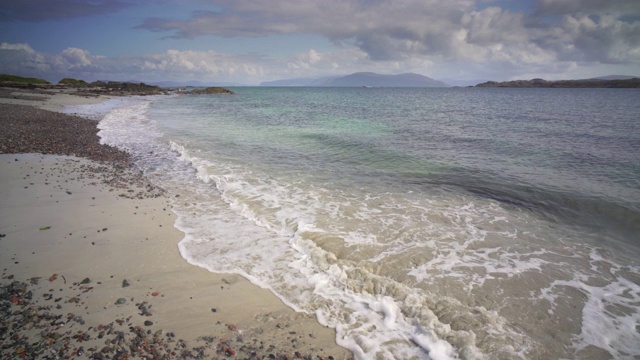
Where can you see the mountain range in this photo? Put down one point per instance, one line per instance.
(362, 79)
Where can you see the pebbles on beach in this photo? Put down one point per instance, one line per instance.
(34, 326)
(42, 317)
(38, 329)
(25, 129)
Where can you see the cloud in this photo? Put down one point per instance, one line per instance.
(75, 57)
(313, 62)
(17, 47)
(493, 39)
(336, 20)
(386, 30)
(200, 64)
(21, 59)
(41, 10)
(604, 39)
(171, 65)
(596, 7)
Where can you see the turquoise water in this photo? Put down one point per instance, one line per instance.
(420, 223)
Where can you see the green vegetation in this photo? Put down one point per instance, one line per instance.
(22, 80)
(70, 81)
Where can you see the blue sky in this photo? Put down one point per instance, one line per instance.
(247, 42)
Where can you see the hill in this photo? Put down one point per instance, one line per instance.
(612, 77)
(584, 83)
(21, 80)
(367, 79)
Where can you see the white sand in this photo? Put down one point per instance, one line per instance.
(54, 215)
(49, 99)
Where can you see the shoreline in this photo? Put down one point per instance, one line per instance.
(73, 230)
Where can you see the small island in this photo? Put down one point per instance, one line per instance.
(211, 90)
(585, 83)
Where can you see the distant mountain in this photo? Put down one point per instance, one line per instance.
(613, 77)
(366, 79)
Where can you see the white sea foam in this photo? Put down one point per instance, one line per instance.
(398, 275)
(610, 304)
(100, 110)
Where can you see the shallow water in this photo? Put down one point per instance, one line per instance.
(420, 223)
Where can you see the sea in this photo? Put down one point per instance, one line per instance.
(419, 223)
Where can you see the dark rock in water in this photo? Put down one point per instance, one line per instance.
(211, 90)
(148, 323)
(125, 283)
(85, 281)
(121, 301)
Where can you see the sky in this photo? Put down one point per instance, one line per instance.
(461, 42)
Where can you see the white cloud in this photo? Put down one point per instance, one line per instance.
(498, 58)
(389, 30)
(170, 65)
(201, 65)
(433, 37)
(597, 7)
(75, 57)
(18, 47)
(21, 59)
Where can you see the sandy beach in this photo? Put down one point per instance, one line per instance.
(89, 258)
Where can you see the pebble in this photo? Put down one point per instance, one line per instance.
(125, 283)
(48, 132)
(37, 331)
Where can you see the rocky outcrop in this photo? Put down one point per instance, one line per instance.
(211, 90)
(82, 88)
(71, 81)
(126, 88)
